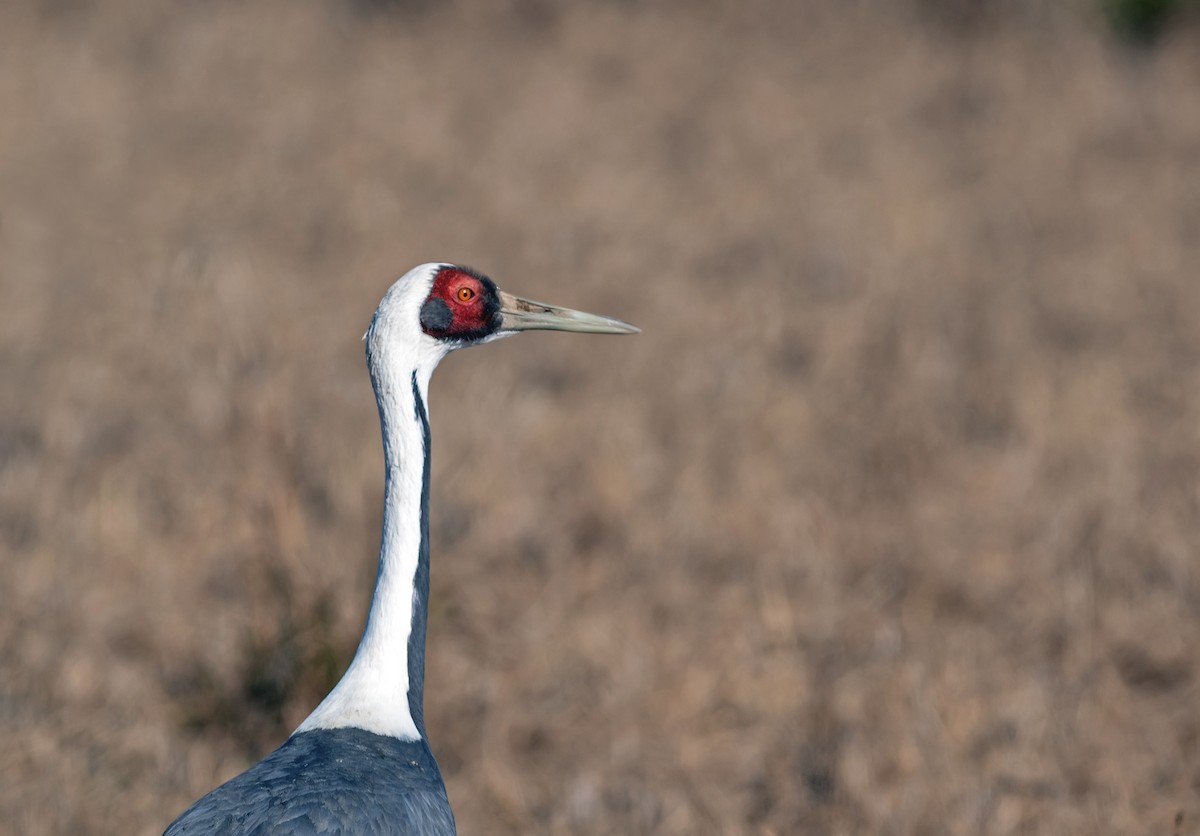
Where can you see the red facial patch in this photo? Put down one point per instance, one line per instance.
(462, 305)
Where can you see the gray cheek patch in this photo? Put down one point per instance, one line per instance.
(435, 316)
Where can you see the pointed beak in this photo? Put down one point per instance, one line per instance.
(517, 314)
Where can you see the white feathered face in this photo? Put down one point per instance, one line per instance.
(436, 308)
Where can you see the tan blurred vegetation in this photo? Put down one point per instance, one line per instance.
(887, 523)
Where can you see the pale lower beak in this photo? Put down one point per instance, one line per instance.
(517, 314)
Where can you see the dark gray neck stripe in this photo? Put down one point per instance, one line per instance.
(416, 638)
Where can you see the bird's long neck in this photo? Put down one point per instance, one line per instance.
(383, 689)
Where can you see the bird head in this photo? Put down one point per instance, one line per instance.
(437, 308)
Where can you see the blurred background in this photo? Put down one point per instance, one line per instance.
(887, 523)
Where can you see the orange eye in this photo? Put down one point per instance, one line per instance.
(465, 294)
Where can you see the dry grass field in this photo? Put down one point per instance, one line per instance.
(888, 523)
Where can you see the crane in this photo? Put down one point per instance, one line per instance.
(360, 763)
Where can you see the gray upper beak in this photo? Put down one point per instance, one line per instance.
(517, 314)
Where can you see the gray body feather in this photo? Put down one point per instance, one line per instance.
(329, 781)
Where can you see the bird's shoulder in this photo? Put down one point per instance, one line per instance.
(329, 781)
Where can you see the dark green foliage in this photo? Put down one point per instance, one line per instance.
(1143, 21)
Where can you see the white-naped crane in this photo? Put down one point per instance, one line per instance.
(361, 763)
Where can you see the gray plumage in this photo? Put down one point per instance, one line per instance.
(329, 781)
